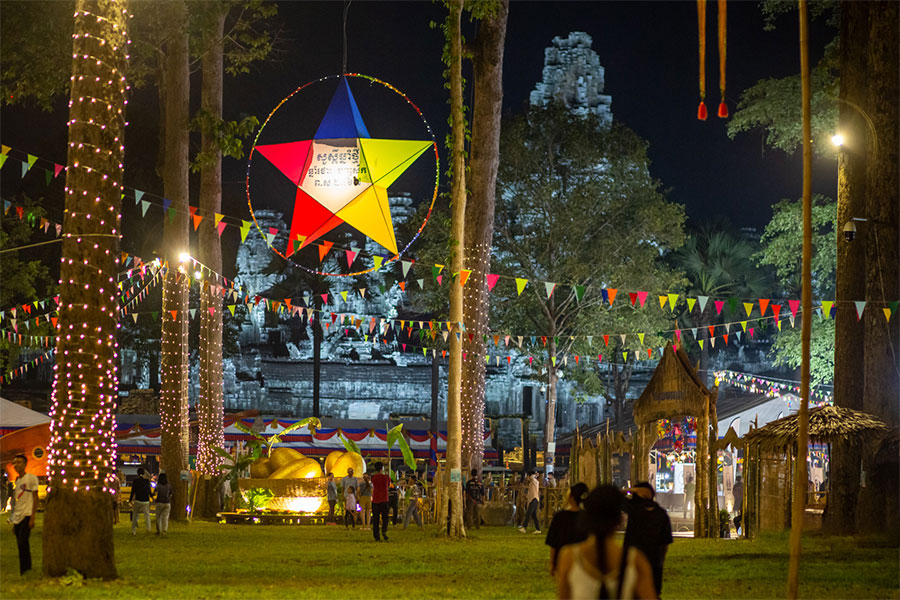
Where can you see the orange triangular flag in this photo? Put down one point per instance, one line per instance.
(324, 247)
(611, 293)
(174, 314)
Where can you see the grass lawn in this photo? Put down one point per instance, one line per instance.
(207, 560)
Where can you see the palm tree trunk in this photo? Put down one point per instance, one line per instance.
(78, 531)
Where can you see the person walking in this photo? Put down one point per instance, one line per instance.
(649, 529)
(140, 500)
(738, 509)
(25, 495)
(599, 567)
(365, 500)
(532, 502)
(564, 527)
(164, 493)
(394, 501)
(350, 507)
(412, 503)
(689, 489)
(380, 483)
(332, 493)
(474, 501)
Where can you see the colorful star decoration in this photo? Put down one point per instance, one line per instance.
(342, 175)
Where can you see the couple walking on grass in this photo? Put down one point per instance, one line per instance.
(586, 559)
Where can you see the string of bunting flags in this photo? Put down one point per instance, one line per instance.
(609, 294)
(771, 387)
(22, 369)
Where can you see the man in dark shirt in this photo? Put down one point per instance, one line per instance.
(649, 529)
(474, 501)
(140, 500)
(380, 483)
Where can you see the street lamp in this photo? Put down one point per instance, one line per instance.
(837, 139)
(184, 257)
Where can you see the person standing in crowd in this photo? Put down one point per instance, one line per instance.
(349, 481)
(26, 499)
(365, 500)
(738, 509)
(350, 507)
(140, 500)
(474, 501)
(164, 493)
(689, 489)
(532, 502)
(412, 495)
(331, 491)
(598, 567)
(649, 529)
(564, 528)
(380, 483)
(394, 501)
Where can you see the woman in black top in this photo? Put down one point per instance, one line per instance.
(564, 528)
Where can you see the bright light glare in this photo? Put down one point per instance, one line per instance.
(184, 256)
(837, 139)
(198, 275)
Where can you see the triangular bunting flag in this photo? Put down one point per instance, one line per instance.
(719, 304)
(663, 300)
(611, 292)
(520, 285)
(492, 281)
(860, 307)
(691, 302)
(464, 276)
(702, 302)
(763, 304)
(672, 299)
(748, 306)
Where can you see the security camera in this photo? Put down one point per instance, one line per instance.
(850, 231)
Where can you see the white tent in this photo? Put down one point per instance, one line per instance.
(14, 416)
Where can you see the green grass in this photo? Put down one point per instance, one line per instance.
(207, 560)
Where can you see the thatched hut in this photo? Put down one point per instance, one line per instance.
(770, 452)
(675, 390)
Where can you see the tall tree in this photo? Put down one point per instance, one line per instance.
(487, 63)
(453, 58)
(210, 401)
(78, 526)
(174, 86)
(780, 246)
(577, 212)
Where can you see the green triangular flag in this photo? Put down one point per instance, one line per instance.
(579, 292)
(171, 215)
(144, 206)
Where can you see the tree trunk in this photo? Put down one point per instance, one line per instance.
(210, 401)
(173, 405)
(865, 363)
(78, 532)
(316, 325)
(550, 414)
(882, 255)
(487, 59)
(455, 527)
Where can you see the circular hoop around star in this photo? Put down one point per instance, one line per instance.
(340, 176)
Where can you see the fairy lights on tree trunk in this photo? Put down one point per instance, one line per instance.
(173, 405)
(78, 525)
(210, 406)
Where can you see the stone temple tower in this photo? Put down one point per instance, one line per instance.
(573, 75)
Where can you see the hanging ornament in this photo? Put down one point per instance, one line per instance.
(339, 175)
(701, 31)
(723, 21)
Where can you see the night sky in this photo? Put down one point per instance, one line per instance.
(648, 49)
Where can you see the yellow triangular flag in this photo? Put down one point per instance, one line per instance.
(887, 314)
(672, 299)
(748, 306)
(520, 285)
(662, 301)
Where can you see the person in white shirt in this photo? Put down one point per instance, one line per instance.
(532, 502)
(26, 495)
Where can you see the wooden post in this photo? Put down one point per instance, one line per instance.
(800, 475)
(713, 464)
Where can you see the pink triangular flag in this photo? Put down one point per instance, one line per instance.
(794, 304)
(492, 281)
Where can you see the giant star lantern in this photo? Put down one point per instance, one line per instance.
(342, 175)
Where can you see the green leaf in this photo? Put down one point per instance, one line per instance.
(223, 452)
(393, 434)
(408, 457)
(243, 428)
(349, 444)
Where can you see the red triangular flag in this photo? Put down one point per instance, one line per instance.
(492, 281)
(794, 305)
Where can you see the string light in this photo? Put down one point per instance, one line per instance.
(82, 451)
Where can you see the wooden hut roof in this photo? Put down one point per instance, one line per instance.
(674, 390)
(827, 424)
